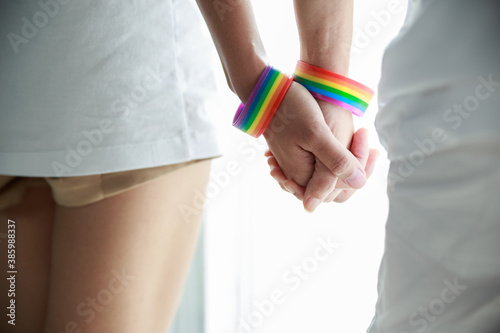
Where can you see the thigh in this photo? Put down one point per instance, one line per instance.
(32, 219)
(119, 265)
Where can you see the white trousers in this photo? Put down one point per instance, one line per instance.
(441, 267)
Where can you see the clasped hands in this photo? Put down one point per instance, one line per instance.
(314, 152)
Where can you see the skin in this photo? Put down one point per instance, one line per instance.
(325, 32)
(33, 225)
(311, 148)
(66, 255)
(367, 158)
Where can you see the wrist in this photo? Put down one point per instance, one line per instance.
(333, 60)
(325, 31)
(254, 116)
(243, 79)
(334, 88)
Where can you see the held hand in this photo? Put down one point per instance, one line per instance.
(305, 148)
(359, 147)
(321, 186)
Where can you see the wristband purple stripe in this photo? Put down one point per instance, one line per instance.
(237, 119)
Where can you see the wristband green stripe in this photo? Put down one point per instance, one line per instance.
(258, 107)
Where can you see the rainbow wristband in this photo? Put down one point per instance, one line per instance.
(334, 88)
(254, 117)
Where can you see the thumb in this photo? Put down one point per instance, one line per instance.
(337, 158)
(359, 148)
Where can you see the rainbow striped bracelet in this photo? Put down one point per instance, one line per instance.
(334, 88)
(254, 117)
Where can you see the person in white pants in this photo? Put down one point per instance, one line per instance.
(439, 120)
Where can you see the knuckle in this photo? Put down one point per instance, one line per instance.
(329, 183)
(340, 165)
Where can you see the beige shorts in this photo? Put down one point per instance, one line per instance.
(81, 190)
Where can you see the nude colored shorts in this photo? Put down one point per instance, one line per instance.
(82, 190)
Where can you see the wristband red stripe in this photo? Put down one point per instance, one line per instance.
(332, 76)
(269, 108)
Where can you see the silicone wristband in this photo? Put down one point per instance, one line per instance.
(254, 117)
(334, 88)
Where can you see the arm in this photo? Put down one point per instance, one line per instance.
(238, 43)
(325, 32)
(298, 133)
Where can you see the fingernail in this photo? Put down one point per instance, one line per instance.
(289, 189)
(311, 204)
(357, 180)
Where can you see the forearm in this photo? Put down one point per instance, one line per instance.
(325, 31)
(238, 43)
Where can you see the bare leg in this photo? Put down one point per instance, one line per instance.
(119, 265)
(33, 220)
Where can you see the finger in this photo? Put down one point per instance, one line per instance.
(286, 184)
(277, 174)
(295, 189)
(337, 158)
(370, 166)
(359, 145)
(372, 161)
(319, 186)
(268, 153)
(360, 149)
(333, 195)
(276, 171)
(344, 196)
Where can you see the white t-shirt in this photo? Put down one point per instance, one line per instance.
(90, 87)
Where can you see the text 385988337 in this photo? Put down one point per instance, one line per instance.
(11, 271)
